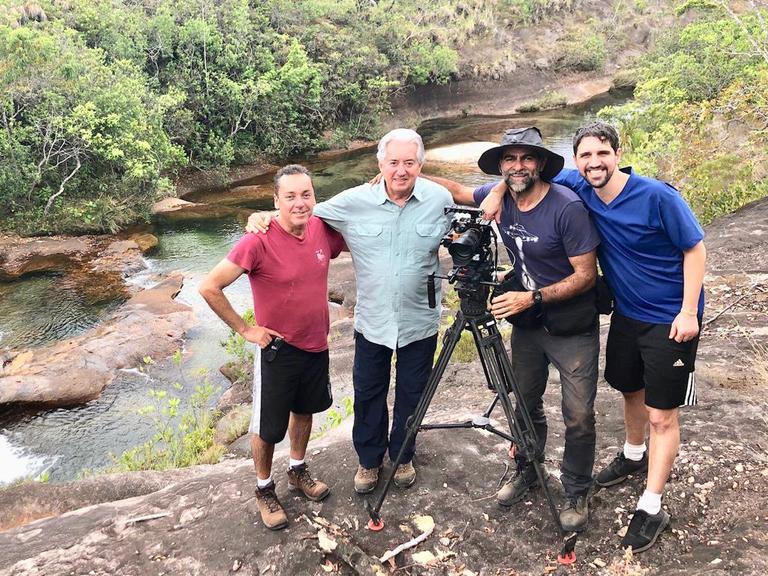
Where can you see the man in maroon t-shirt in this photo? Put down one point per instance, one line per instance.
(288, 271)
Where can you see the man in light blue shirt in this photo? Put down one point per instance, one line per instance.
(393, 231)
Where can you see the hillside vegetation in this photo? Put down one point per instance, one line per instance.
(104, 100)
(699, 117)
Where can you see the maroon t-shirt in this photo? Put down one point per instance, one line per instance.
(289, 280)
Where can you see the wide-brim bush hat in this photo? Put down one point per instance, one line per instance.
(529, 137)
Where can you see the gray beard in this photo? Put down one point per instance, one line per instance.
(522, 187)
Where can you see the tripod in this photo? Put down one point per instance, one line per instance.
(497, 367)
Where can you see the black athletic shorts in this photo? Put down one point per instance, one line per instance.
(641, 355)
(292, 381)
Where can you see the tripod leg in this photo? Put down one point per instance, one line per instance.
(492, 349)
(452, 336)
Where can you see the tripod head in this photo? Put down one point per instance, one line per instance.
(473, 245)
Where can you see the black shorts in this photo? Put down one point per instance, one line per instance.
(294, 381)
(641, 355)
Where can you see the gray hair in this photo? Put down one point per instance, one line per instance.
(600, 130)
(289, 170)
(401, 135)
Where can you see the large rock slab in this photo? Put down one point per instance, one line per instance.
(206, 523)
(75, 371)
(72, 254)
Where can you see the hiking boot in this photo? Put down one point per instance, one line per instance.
(644, 529)
(272, 513)
(515, 490)
(405, 475)
(366, 479)
(619, 468)
(575, 516)
(300, 479)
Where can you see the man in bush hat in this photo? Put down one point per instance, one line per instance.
(551, 241)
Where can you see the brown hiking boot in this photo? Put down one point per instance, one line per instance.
(405, 475)
(366, 479)
(272, 513)
(300, 479)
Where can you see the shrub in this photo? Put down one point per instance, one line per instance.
(182, 437)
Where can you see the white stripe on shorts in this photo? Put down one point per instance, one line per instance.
(690, 391)
(256, 409)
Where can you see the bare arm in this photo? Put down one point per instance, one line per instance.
(212, 290)
(463, 195)
(686, 324)
(582, 279)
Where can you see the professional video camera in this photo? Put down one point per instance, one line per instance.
(473, 246)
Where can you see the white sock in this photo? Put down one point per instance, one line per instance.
(293, 463)
(634, 451)
(263, 483)
(650, 502)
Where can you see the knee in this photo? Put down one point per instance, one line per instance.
(579, 423)
(662, 421)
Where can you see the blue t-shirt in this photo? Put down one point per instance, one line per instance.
(540, 241)
(644, 231)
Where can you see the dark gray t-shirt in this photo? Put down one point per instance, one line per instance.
(541, 240)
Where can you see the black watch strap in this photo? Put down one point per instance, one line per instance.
(537, 297)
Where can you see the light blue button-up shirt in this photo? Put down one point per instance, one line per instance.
(393, 250)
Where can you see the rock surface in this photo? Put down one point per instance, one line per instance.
(206, 523)
(101, 254)
(75, 371)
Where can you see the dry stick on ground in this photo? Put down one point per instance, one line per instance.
(147, 517)
(346, 551)
(733, 303)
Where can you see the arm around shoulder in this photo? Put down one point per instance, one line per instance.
(461, 194)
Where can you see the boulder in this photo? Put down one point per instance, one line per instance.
(75, 371)
(20, 256)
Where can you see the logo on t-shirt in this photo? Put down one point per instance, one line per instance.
(518, 232)
(520, 235)
(320, 255)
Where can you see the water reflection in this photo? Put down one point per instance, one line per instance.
(46, 308)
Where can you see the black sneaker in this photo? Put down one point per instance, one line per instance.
(619, 468)
(516, 489)
(644, 529)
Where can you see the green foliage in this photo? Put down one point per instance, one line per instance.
(182, 437)
(465, 350)
(103, 100)
(532, 11)
(582, 50)
(334, 418)
(239, 348)
(700, 112)
(82, 146)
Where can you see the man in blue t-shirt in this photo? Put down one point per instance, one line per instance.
(652, 254)
(551, 242)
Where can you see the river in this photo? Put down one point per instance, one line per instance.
(66, 443)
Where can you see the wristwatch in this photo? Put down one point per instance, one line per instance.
(537, 298)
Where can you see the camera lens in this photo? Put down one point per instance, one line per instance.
(465, 247)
